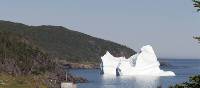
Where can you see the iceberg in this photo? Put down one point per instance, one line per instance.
(143, 63)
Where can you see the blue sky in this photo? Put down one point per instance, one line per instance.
(167, 25)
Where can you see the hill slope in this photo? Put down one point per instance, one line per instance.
(19, 57)
(24, 64)
(66, 44)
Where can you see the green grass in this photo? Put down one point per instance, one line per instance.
(21, 81)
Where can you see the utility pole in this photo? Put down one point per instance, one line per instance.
(66, 75)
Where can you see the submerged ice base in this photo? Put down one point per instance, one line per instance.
(144, 63)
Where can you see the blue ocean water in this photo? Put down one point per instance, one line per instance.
(183, 69)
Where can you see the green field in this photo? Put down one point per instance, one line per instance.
(8, 81)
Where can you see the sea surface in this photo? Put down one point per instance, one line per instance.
(183, 69)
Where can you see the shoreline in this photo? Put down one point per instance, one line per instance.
(73, 65)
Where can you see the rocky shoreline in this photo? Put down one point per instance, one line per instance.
(73, 65)
(80, 66)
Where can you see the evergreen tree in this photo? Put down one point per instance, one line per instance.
(194, 81)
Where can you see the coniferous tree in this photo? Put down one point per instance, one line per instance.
(194, 81)
(197, 5)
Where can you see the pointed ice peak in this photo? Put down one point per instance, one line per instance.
(148, 48)
(108, 54)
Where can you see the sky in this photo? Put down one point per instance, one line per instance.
(167, 25)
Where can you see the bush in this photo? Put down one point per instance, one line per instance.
(194, 82)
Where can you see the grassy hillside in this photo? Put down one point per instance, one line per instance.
(66, 44)
(17, 56)
(24, 65)
(30, 81)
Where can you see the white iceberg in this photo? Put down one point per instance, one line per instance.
(143, 63)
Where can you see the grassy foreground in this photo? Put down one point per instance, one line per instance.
(8, 81)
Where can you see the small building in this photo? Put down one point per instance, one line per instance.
(68, 85)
